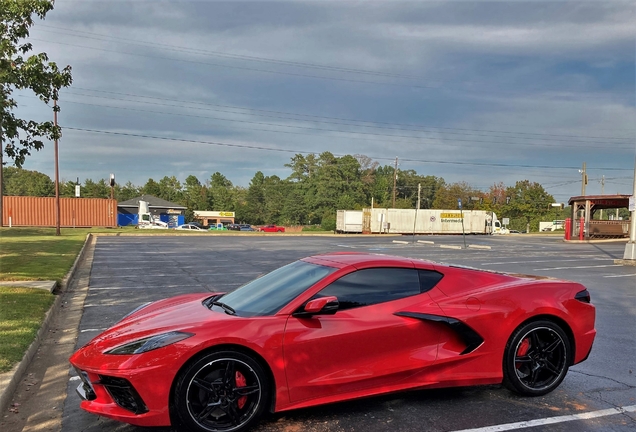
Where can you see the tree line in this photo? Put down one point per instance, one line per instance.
(317, 186)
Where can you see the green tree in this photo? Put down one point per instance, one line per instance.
(407, 189)
(67, 188)
(127, 192)
(99, 189)
(21, 71)
(221, 193)
(170, 189)
(151, 188)
(382, 186)
(294, 210)
(447, 195)
(21, 182)
(338, 184)
(255, 200)
(194, 196)
(529, 203)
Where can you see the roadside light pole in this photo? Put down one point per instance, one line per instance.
(57, 174)
(630, 247)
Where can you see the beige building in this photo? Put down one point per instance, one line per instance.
(211, 218)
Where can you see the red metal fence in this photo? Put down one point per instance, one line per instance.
(74, 212)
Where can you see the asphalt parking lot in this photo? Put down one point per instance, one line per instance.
(128, 271)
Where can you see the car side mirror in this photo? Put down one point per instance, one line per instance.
(320, 306)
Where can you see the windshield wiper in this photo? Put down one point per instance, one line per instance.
(228, 309)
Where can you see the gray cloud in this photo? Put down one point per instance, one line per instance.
(551, 68)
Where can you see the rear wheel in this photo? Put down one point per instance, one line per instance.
(536, 358)
(224, 391)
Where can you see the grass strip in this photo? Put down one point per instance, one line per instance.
(22, 311)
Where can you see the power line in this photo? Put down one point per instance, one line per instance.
(177, 48)
(240, 67)
(188, 50)
(537, 137)
(441, 140)
(427, 161)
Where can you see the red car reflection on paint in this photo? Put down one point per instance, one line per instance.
(330, 328)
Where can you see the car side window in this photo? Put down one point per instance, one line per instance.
(371, 286)
(428, 279)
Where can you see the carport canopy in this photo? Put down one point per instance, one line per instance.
(590, 204)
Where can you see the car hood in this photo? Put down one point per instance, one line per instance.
(182, 313)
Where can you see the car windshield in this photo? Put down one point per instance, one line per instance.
(269, 293)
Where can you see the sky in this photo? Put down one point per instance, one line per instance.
(482, 92)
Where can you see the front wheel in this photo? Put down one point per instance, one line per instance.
(536, 358)
(224, 391)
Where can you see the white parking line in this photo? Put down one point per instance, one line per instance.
(93, 330)
(577, 267)
(613, 276)
(550, 260)
(553, 420)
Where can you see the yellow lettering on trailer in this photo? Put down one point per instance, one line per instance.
(451, 215)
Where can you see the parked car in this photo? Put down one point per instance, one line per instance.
(217, 362)
(246, 227)
(271, 228)
(218, 227)
(198, 224)
(190, 227)
(233, 227)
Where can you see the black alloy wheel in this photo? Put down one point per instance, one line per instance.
(536, 359)
(224, 391)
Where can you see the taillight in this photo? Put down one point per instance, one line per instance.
(583, 296)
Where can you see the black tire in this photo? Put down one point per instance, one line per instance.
(536, 359)
(223, 391)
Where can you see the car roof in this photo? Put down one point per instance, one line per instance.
(364, 259)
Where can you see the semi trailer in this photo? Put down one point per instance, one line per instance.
(411, 221)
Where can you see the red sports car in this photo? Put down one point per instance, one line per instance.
(329, 328)
(271, 228)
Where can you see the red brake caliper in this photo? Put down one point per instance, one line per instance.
(241, 382)
(523, 349)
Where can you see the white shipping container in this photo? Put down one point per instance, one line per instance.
(349, 221)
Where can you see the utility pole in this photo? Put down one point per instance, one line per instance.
(602, 191)
(583, 179)
(57, 174)
(419, 192)
(394, 180)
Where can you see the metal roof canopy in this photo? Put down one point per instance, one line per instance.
(592, 203)
(599, 202)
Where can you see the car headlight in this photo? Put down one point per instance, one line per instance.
(150, 343)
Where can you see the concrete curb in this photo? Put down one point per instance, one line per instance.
(9, 380)
(628, 262)
(472, 246)
(450, 247)
(238, 234)
(43, 285)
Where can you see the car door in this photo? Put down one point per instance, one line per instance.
(364, 345)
